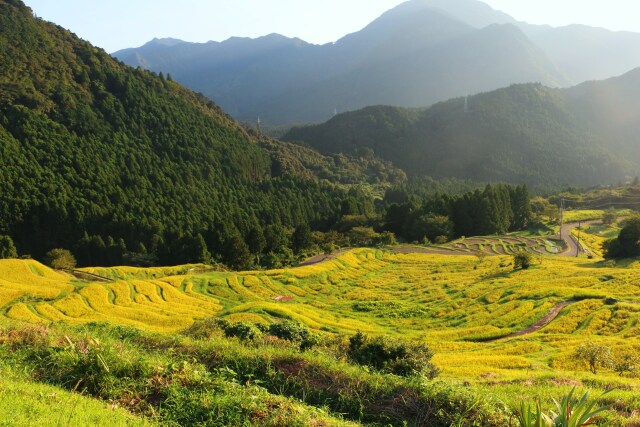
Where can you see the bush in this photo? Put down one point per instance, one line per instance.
(60, 259)
(7, 248)
(208, 328)
(609, 217)
(594, 356)
(205, 328)
(295, 332)
(102, 370)
(242, 330)
(522, 261)
(627, 363)
(395, 357)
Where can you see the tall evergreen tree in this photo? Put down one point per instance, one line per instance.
(7, 248)
(301, 239)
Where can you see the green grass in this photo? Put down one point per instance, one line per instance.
(210, 380)
(24, 402)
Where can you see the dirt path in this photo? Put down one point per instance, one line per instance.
(83, 275)
(324, 257)
(548, 318)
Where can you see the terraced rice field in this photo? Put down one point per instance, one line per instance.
(455, 304)
(504, 245)
(32, 292)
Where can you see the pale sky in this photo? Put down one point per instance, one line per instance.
(117, 24)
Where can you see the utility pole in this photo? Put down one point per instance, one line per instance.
(259, 130)
(578, 247)
(561, 216)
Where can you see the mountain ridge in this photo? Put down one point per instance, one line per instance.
(303, 82)
(527, 133)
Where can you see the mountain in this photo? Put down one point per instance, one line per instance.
(586, 53)
(472, 12)
(413, 55)
(93, 152)
(611, 110)
(580, 52)
(585, 135)
(481, 60)
(416, 54)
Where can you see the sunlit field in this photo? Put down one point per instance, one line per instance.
(460, 306)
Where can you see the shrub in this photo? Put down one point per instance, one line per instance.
(395, 357)
(627, 244)
(609, 217)
(522, 261)
(242, 330)
(295, 332)
(205, 328)
(627, 363)
(102, 370)
(208, 328)
(386, 238)
(594, 355)
(60, 259)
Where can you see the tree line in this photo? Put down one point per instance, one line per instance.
(495, 210)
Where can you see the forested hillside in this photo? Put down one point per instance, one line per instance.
(521, 134)
(106, 160)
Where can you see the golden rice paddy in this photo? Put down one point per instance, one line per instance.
(462, 306)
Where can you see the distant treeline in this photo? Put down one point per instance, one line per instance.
(495, 210)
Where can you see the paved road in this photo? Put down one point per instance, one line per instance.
(572, 245)
(566, 236)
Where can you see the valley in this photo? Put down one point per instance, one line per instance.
(430, 222)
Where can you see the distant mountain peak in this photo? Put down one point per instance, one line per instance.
(471, 12)
(167, 41)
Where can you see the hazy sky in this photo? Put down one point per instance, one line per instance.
(116, 24)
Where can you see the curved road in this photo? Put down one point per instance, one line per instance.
(572, 247)
(570, 240)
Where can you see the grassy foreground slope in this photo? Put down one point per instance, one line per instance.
(25, 403)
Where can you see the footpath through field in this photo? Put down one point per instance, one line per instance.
(548, 318)
(324, 257)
